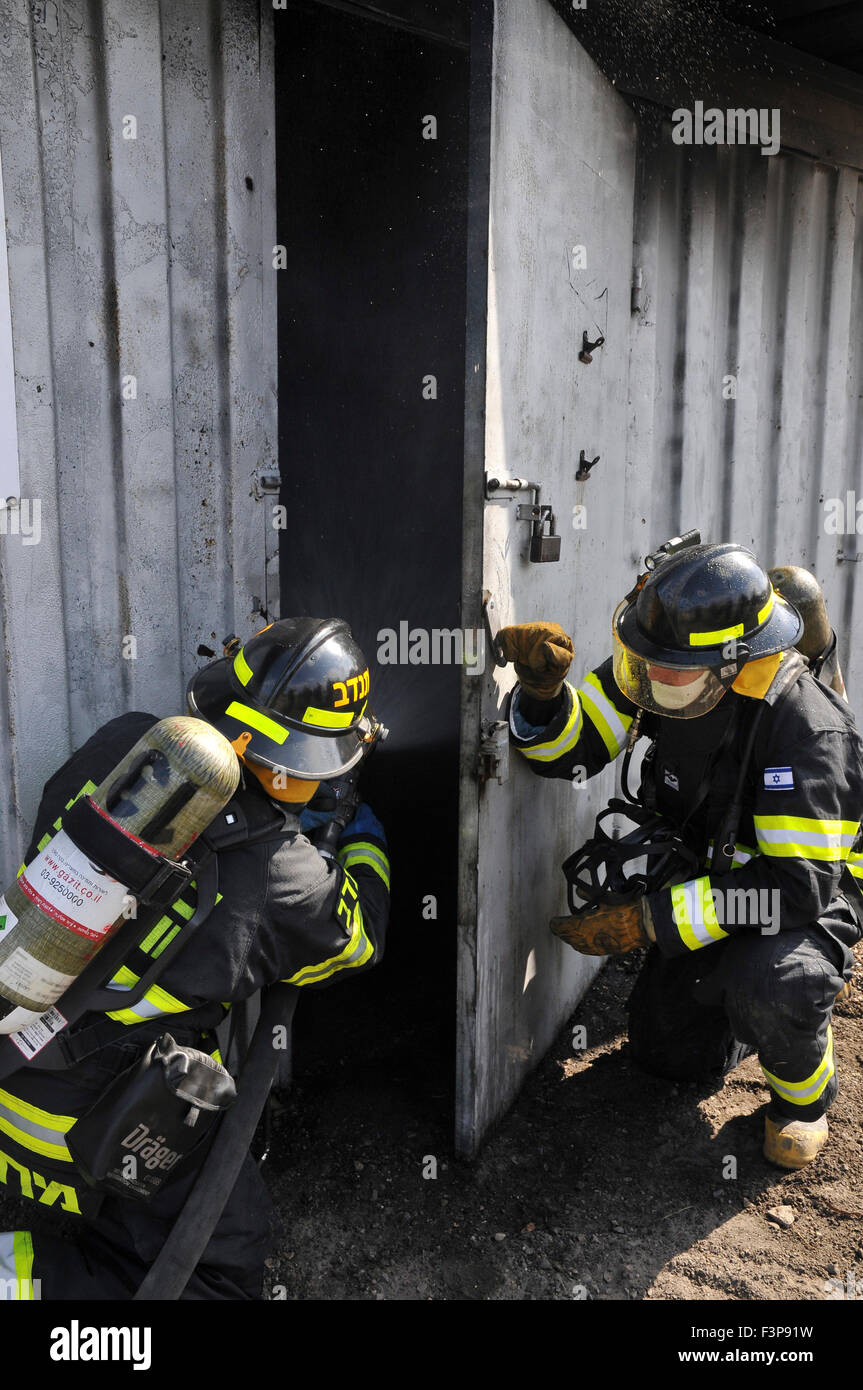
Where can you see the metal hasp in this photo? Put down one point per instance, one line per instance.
(267, 484)
(493, 756)
(587, 348)
(544, 545)
(492, 625)
(584, 467)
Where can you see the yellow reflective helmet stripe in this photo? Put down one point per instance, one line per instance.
(722, 634)
(35, 1129)
(329, 718)
(805, 1092)
(805, 837)
(565, 741)
(695, 914)
(242, 669)
(244, 714)
(611, 723)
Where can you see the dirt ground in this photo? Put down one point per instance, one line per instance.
(601, 1182)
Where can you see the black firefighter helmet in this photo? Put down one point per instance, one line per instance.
(300, 689)
(698, 615)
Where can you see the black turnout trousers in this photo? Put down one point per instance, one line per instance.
(695, 1017)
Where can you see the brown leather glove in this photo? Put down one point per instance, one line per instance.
(542, 653)
(607, 931)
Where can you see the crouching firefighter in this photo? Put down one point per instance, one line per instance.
(96, 1123)
(747, 819)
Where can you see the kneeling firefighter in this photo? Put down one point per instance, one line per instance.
(267, 903)
(747, 818)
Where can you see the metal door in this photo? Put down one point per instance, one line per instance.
(561, 167)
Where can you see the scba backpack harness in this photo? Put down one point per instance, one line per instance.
(157, 1116)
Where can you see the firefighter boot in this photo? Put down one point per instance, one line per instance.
(793, 1143)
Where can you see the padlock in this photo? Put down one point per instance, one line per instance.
(544, 547)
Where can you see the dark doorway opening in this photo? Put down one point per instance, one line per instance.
(371, 305)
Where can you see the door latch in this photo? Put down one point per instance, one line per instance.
(492, 625)
(544, 545)
(493, 757)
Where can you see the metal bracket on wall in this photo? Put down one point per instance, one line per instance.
(267, 484)
(493, 756)
(584, 467)
(544, 546)
(587, 348)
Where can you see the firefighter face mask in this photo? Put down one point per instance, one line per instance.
(676, 690)
(685, 690)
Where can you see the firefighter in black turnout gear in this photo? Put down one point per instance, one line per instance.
(752, 790)
(293, 702)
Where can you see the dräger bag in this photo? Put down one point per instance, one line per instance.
(152, 1117)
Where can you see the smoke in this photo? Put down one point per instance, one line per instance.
(669, 43)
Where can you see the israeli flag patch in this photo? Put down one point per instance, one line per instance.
(778, 779)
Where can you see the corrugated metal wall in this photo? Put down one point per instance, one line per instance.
(752, 270)
(146, 258)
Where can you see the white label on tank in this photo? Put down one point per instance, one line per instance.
(39, 984)
(37, 1033)
(8, 920)
(68, 888)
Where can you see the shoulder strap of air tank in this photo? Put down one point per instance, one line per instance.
(786, 677)
(249, 822)
(789, 673)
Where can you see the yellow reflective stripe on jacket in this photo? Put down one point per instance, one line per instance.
(22, 1251)
(156, 1001)
(855, 864)
(35, 1129)
(804, 1092)
(357, 951)
(361, 852)
(805, 837)
(694, 913)
(565, 741)
(610, 723)
(87, 790)
(16, 1267)
(154, 942)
